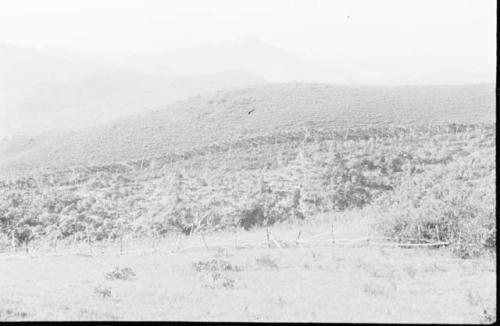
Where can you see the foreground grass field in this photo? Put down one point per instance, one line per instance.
(361, 283)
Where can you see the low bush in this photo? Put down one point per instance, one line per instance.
(444, 204)
(102, 291)
(124, 273)
(215, 265)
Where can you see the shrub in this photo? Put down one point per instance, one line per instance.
(215, 265)
(442, 204)
(102, 291)
(124, 273)
(219, 280)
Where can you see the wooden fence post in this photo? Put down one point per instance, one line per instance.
(13, 241)
(178, 241)
(268, 240)
(236, 239)
(298, 238)
(346, 134)
(88, 240)
(275, 241)
(203, 238)
(331, 233)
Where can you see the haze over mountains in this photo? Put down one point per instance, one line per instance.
(50, 89)
(277, 65)
(53, 89)
(44, 92)
(62, 107)
(247, 54)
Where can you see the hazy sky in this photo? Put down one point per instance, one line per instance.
(454, 30)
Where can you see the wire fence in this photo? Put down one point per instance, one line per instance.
(269, 241)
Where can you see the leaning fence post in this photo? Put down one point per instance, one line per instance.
(346, 134)
(275, 242)
(203, 238)
(236, 238)
(298, 238)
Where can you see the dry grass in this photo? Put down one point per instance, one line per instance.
(223, 116)
(321, 284)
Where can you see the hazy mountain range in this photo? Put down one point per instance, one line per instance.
(43, 92)
(51, 89)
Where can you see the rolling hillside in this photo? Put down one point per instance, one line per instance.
(42, 91)
(229, 116)
(104, 96)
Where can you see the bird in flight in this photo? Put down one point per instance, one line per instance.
(251, 111)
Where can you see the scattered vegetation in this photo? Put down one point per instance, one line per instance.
(373, 289)
(489, 316)
(215, 265)
(424, 184)
(214, 273)
(266, 261)
(102, 291)
(124, 273)
(169, 286)
(219, 280)
(9, 314)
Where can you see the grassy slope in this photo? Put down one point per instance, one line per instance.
(223, 116)
(321, 284)
(310, 284)
(105, 96)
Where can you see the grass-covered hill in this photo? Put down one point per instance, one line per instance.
(234, 116)
(420, 160)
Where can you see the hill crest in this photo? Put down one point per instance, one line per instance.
(223, 116)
